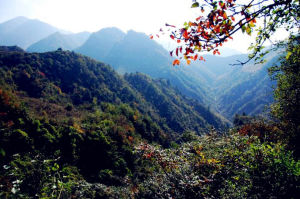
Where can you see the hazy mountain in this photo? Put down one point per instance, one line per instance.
(23, 32)
(9, 25)
(135, 52)
(246, 88)
(210, 82)
(100, 43)
(226, 52)
(59, 40)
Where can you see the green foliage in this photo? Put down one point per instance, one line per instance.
(86, 132)
(31, 175)
(64, 78)
(231, 166)
(286, 93)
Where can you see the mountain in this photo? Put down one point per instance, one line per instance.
(63, 77)
(135, 52)
(170, 103)
(23, 32)
(226, 52)
(72, 127)
(246, 89)
(210, 82)
(11, 49)
(100, 43)
(59, 40)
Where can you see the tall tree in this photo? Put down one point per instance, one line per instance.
(287, 93)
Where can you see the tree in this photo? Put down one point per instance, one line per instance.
(221, 19)
(287, 93)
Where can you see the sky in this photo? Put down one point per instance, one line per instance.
(92, 15)
(146, 16)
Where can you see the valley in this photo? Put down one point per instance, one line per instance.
(225, 89)
(105, 114)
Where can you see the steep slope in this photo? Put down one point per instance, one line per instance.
(209, 82)
(171, 104)
(68, 129)
(246, 89)
(61, 76)
(100, 43)
(135, 52)
(24, 32)
(237, 89)
(59, 40)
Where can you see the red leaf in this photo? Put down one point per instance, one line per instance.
(171, 53)
(177, 52)
(185, 34)
(176, 62)
(196, 56)
(172, 36)
(151, 36)
(198, 18)
(178, 40)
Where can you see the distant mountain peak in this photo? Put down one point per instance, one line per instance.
(59, 40)
(19, 19)
(99, 44)
(23, 32)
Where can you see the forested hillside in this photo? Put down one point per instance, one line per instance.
(111, 113)
(213, 83)
(80, 80)
(73, 127)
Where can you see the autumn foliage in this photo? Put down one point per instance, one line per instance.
(219, 20)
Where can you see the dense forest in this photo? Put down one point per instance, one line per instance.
(111, 114)
(214, 83)
(72, 127)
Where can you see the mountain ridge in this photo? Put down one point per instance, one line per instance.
(85, 81)
(59, 40)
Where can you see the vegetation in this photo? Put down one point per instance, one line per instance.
(287, 105)
(220, 20)
(72, 127)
